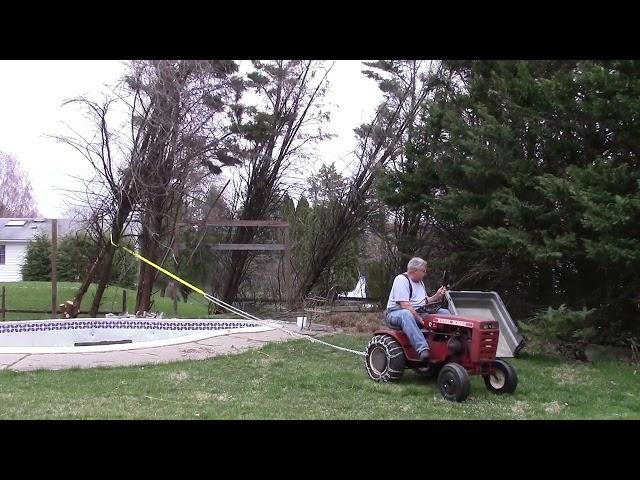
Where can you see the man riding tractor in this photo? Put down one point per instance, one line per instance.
(431, 341)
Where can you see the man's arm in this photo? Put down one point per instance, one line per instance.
(416, 315)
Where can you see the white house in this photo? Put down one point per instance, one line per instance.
(15, 235)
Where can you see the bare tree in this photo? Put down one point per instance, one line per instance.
(275, 133)
(110, 194)
(143, 177)
(16, 194)
(185, 139)
(380, 142)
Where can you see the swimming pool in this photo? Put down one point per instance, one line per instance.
(110, 334)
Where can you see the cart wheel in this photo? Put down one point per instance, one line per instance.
(453, 381)
(504, 380)
(385, 360)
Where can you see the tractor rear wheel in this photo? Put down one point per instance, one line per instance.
(385, 360)
(504, 380)
(453, 381)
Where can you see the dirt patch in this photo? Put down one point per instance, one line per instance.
(554, 407)
(520, 408)
(264, 361)
(202, 397)
(206, 397)
(179, 376)
(571, 375)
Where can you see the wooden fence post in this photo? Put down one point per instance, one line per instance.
(54, 268)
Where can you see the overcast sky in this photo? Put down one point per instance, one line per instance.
(32, 93)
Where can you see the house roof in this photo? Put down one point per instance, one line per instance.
(34, 226)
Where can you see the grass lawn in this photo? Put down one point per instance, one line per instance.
(301, 380)
(37, 296)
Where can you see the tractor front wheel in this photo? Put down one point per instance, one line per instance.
(385, 360)
(503, 380)
(453, 381)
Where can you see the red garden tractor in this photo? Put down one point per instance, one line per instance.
(459, 346)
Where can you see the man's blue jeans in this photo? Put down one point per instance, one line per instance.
(403, 319)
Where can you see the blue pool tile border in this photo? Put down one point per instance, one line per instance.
(126, 324)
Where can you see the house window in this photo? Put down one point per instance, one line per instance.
(1, 254)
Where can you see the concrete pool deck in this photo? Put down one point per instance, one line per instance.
(198, 350)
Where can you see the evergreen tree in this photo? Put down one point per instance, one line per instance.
(37, 263)
(530, 172)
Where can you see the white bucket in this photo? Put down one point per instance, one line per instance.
(302, 322)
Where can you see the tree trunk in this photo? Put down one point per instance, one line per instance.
(88, 278)
(105, 273)
(145, 288)
(150, 250)
(106, 253)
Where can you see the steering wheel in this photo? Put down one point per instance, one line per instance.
(433, 307)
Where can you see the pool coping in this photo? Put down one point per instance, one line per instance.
(231, 343)
(199, 329)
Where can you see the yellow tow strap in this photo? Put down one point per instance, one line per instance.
(158, 267)
(231, 308)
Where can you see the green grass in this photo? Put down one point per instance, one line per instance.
(302, 380)
(37, 296)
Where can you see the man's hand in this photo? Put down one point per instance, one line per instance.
(438, 296)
